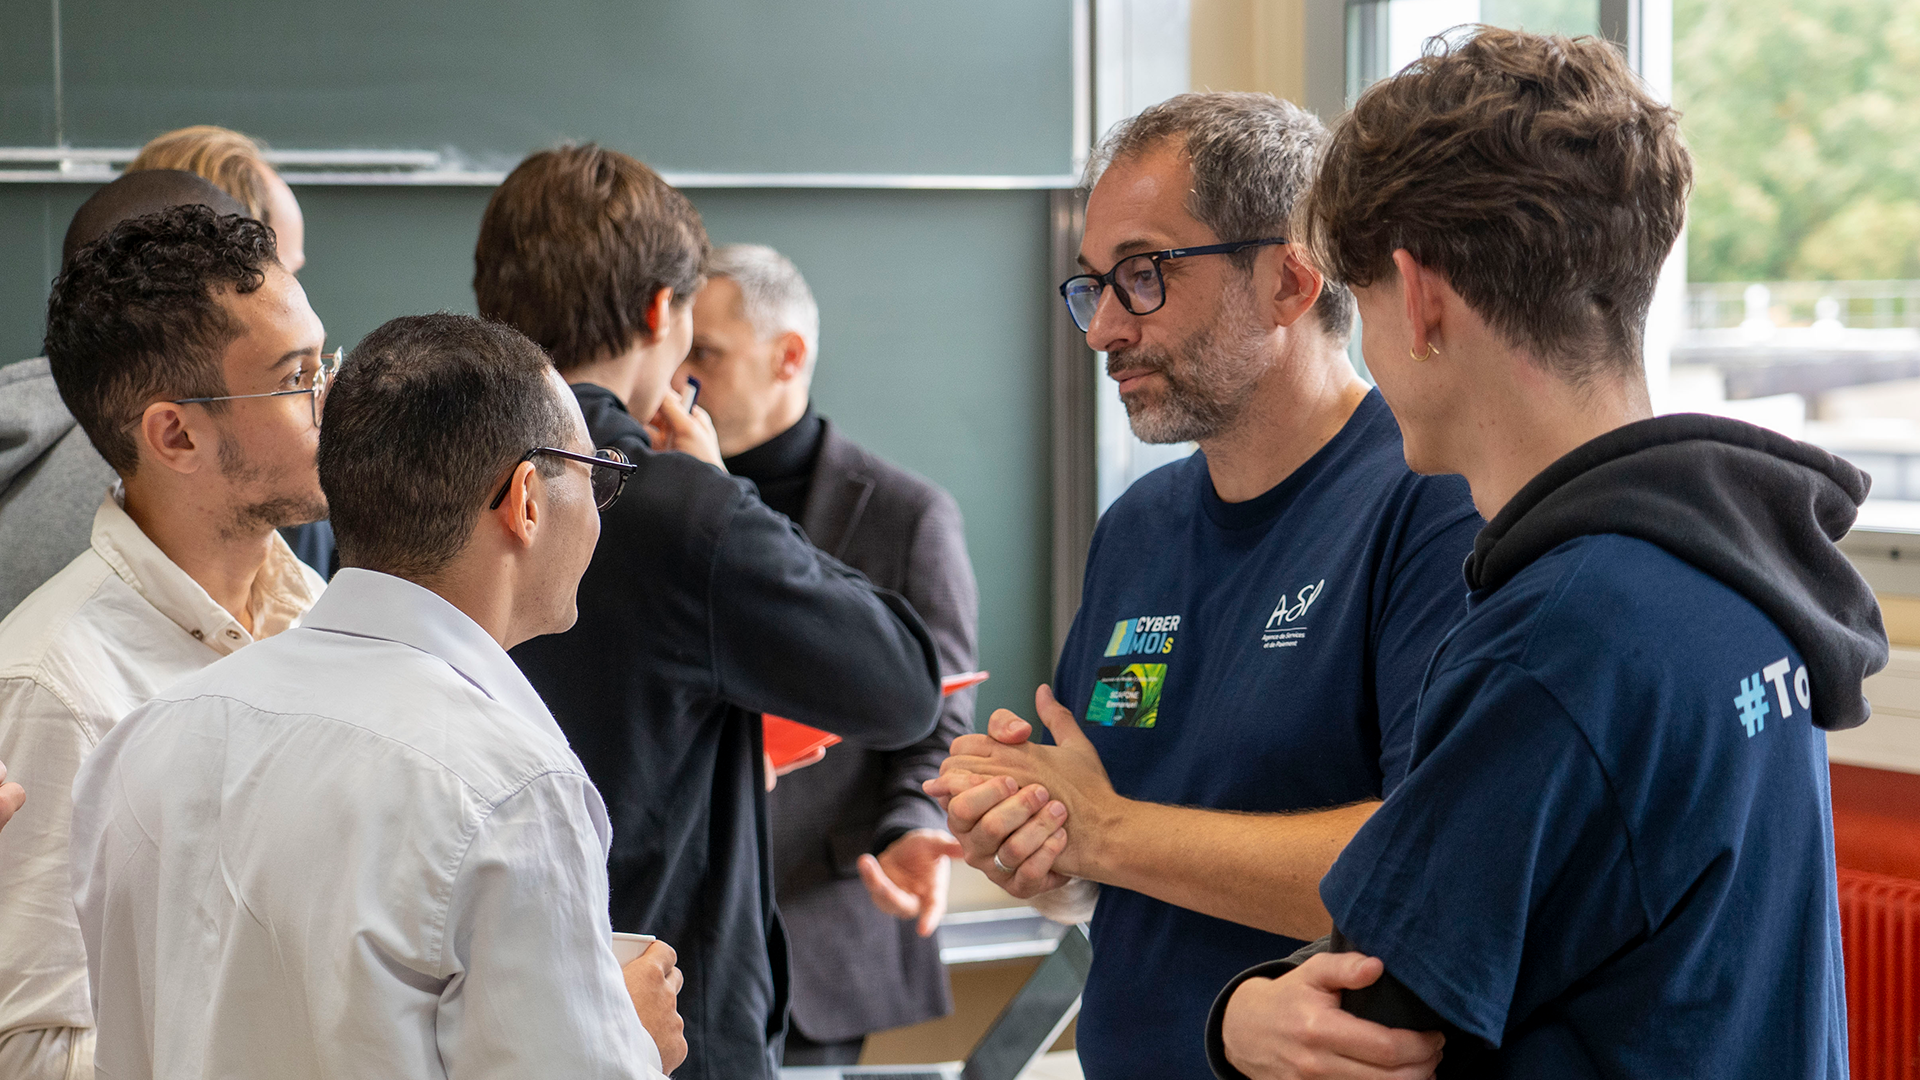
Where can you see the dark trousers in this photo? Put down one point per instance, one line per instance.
(804, 1051)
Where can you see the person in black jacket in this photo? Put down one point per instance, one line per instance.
(857, 846)
(702, 608)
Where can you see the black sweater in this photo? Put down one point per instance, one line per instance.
(702, 609)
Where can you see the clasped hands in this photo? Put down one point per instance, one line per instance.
(1008, 799)
(1008, 802)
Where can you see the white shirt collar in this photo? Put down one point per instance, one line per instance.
(282, 591)
(370, 604)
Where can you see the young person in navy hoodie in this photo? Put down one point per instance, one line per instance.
(1612, 854)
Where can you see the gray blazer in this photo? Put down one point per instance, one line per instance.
(51, 481)
(856, 970)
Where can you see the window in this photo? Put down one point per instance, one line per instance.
(1384, 36)
(1141, 58)
(1803, 249)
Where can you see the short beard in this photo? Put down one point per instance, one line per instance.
(1209, 382)
(274, 512)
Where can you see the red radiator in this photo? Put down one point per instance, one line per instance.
(1880, 931)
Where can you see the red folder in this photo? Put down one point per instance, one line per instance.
(787, 742)
(953, 684)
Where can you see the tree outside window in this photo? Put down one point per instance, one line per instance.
(1803, 255)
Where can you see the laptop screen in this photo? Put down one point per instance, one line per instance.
(1036, 1016)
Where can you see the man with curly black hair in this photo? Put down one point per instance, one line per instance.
(51, 478)
(192, 360)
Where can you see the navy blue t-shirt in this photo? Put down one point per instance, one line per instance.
(1612, 855)
(1257, 656)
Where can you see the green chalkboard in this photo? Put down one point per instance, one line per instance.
(756, 86)
(933, 321)
(935, 305)
(26, 73)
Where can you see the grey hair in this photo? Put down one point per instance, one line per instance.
(774, 298)
(1253, 157)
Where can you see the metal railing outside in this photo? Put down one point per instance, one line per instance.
(1852, 305)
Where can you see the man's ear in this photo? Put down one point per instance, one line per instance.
(1296, 284)
(789, 356)
(172, 438)
(1423, 291)
(519, 515)
(656, 312)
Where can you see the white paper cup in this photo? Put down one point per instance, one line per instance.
(628, 947)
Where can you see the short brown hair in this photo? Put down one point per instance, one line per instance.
(1535, 172)
(230, 160)
(1252, 157)
(576, 242)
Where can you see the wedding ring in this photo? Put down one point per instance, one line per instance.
(1004, 868)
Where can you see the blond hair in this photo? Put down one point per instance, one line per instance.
(228, 159)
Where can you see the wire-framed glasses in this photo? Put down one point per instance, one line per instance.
(1137, 280)
(312, 381)
(610, 471)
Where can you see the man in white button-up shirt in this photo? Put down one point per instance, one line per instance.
(364, 848)
(151, 329)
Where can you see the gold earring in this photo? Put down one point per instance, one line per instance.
(1432, 351)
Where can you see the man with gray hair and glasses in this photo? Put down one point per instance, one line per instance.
(1255, 619)
(859, 851)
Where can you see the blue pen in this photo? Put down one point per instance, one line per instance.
(695, 396)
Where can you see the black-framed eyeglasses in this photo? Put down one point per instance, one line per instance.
(1137, 280)
(610, 471)
(313, 381)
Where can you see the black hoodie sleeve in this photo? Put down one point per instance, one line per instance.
(799, 634)
(1387, 1002)
(1217, 1016)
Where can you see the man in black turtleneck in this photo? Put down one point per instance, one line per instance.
(857, 847)
(781, 467)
